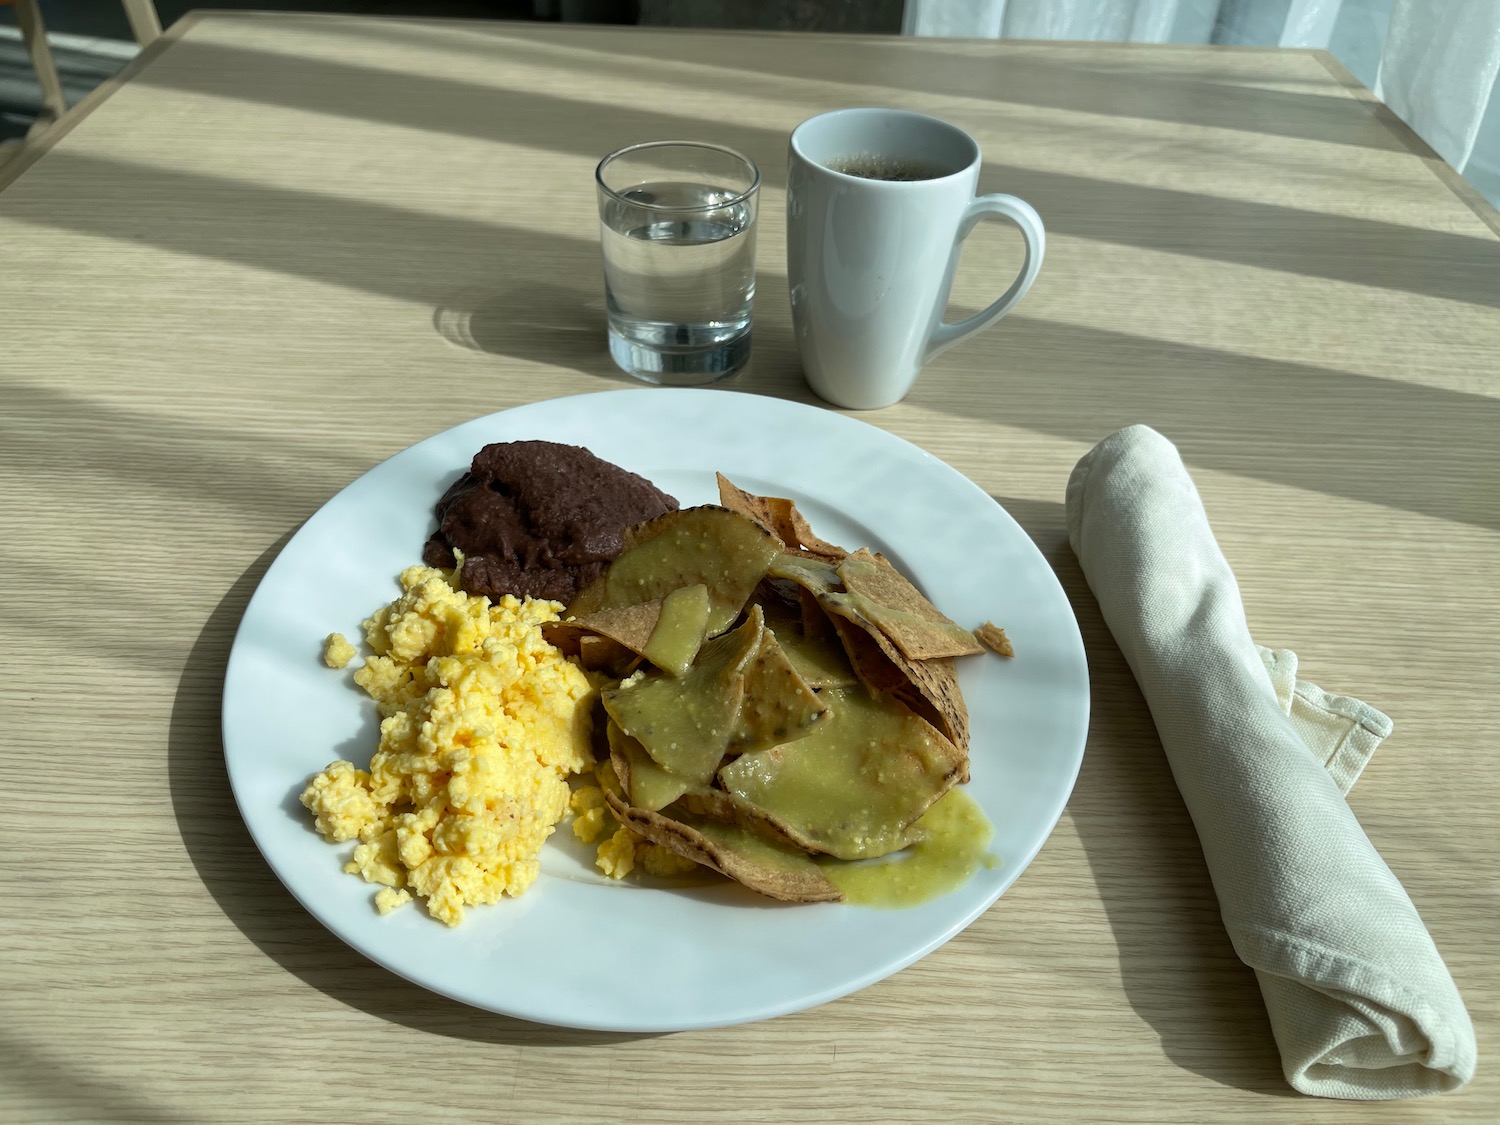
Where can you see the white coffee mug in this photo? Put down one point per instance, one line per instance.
(870, 259)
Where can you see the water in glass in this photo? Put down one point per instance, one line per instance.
(679, 271)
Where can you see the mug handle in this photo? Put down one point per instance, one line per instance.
(1024, 216)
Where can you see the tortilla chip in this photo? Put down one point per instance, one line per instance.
(715, 804)
(818, 657)
(928, 687)
(815, 623)
(630, 627)
(780, 517)
(875, 669)
(686, 722)
(778, 705)
(777, 872)
(993, 638)
(884, 595)
(817, 576)
(826, 794)
(680, 630)
(648, 785)
(600, 654)
(726, 551)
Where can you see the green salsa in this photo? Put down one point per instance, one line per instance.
(953, 838)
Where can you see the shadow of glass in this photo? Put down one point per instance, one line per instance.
(1177, 966)
(565, 326)
(390, 251)
(250, 895)
(455, 266)
(537, 321)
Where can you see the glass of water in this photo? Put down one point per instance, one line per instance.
(677, 220)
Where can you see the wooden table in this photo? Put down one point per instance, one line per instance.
(283, 248)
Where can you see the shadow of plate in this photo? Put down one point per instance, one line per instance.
(249, 893)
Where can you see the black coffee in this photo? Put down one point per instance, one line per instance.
(886, 168)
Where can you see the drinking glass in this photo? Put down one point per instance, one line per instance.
(677, 222)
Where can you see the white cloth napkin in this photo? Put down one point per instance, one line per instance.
(1359, 999)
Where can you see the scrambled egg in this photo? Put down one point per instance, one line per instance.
(621, 852)
(482, 722)
(337, 651)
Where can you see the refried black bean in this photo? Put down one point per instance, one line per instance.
(538, 519)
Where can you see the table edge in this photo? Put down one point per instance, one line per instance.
(34, 150)
(1467, 193)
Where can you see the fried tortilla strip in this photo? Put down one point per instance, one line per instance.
(993, 638)
(780, 516)
(707, 803)
(884, 595)
(680, 630)
(778, 705)
(726, 551)
(813, 578)
(778, 872)
(628, 626)
(646, 784)
(600, 654)
(855, 785)
(666, 631)
(877, 671)
(686, 722)
(818, 656)
(817, 576)
(743, 694)
(928, 687)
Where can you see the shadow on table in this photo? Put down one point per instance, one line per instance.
(254, 899)
(62, 1081)
(564, 325)
(1177, 966)
(540, 321)
(1248, 232)
(501, 289)
(1327, 430)
(1293, 424)
(1110, 82)
(1027, 74)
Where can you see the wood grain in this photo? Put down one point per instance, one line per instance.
(284, 248)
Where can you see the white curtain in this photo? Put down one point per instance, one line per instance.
(1433, 62)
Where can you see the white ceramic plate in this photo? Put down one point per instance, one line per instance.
(577, 949)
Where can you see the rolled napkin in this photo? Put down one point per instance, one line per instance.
(1359, 999)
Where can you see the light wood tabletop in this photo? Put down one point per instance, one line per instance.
(281, 249)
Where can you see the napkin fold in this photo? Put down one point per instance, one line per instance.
(1359, 999)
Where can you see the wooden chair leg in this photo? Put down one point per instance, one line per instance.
(34, 35)
(144, 22)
